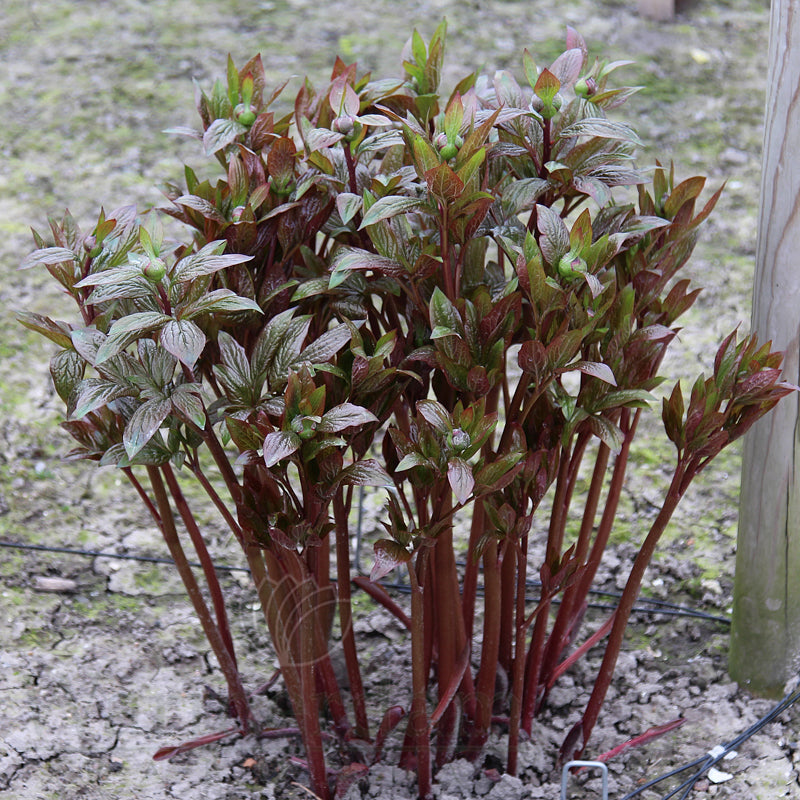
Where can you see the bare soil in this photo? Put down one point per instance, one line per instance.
(101, 669)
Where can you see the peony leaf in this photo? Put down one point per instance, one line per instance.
(388, 207)
(184, 340)
(144, 424)
(459, 475)
(388, 555)
(365, 473)
(346, 415)
(279, 445)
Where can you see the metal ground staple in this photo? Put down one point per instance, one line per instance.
(592, 764)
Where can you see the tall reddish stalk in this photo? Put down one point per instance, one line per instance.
(227, 664)
(575, 742)
(346, 616)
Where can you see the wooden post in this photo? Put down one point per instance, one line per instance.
(765, 641)
(657, 9)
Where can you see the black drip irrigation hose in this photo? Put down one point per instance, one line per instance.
(662, 607)
(701, 765)
(714, 756)
(96, 554)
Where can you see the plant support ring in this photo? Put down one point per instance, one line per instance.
(594, 764)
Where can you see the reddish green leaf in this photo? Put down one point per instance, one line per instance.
(245, 436)
(531, 357)
(218, 300)
(507, 90)
(279, 445)
(367, 472)
(443, 314)
(466, 172)
(595, 369)
(546, 86)
(580, 236)
(444, 183)
(127, 330)
(87, 342)
(326, 346)
(346, 415)
(453, 116)
(186, 401)
(281, 159)
(348, 205)
(184, 340)
(567, 66)
(388, 555)
(602, 128)
(206, 262)
(498, 473)
(522, 195)
(436, 415)
(607, 431)
(66, 369)
(685, 192)
(208, 210)
(672, 416)
(410, 460)
(58, 332)
(221, 133)
(459, 475)
(318, 139)
(576, 41)
(390, 206)
(554, 241)
(530, 68)
(94, 393)
(48, 255)
(144, 423)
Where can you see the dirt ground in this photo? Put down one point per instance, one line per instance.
(100, 670)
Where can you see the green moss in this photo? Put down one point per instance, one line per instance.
(37, 638)
(150, 579)
(122, 602)
(11, 565)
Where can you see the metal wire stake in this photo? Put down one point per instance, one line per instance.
(593, 764)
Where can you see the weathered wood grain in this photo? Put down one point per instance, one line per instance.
(765, 644)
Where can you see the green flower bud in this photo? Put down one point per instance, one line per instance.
(460, 439)
(585, 87)
(91, 246)
(549, 110)
(304, 427)
(308, 432)
(571, 266)
(343, 125)
(448, 151)
(282, 188)
(245, 114)
(154, 270)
